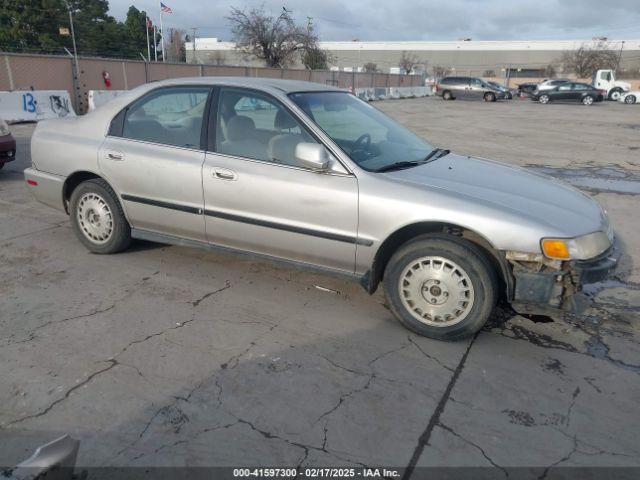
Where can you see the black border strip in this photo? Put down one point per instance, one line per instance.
(288, 228)
(158, 203)
(250, 221)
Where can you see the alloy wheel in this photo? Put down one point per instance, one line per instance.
(436, 291)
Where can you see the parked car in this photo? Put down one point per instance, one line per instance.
(630, 97)
(569, 92)
(310, 174)
(450, 88)
(7, 144)
(507, 92)
(550, 84)
(526, 88)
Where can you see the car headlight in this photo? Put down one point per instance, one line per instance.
(579, 248)
(4, 128)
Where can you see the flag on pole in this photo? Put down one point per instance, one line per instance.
(149, 24)
(164, 8)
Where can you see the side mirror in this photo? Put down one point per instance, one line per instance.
(312, 155)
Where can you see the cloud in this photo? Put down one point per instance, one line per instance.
(417, 19)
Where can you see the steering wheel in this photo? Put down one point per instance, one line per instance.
(362, 143)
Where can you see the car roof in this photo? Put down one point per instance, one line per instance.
(286, 86)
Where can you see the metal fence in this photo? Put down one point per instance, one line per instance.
(49, 72)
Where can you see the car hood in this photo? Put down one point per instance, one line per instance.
(535, 197)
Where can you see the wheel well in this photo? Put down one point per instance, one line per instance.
(409, 232)
(72, 182)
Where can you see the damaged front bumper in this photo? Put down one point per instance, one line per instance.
(540, 285)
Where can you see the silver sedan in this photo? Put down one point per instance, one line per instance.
(311, 175)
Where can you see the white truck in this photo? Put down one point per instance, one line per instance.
(605, 80)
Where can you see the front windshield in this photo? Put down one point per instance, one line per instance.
(366, 135)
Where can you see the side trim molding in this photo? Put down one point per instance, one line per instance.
(161, 204)
(250, 221)
(288, 228)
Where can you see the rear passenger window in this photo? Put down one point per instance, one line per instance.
(171, 116)
(253, 125)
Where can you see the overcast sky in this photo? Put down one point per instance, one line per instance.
(418, 19)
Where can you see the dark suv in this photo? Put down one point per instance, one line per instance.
(450, 88)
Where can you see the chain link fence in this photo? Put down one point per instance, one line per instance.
(50, 72)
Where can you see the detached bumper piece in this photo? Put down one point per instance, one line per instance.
(539, 287)
(595, 269)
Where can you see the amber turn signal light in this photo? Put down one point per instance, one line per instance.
(554, 248)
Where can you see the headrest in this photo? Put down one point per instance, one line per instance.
(284, 120)
(240, 128)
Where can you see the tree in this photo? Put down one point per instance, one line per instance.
(587, 59)
(33, 26)
(272, 39)
(439, 71)
(175, 46)
(370, 67)
(408, 62)
(136, 30)
(314, 58)
(550, 71)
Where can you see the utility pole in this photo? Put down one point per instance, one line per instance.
(620, 56)
(194, 30)
(75, 59)
(155, 44)
(146, 25)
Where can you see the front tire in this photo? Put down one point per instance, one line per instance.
(441, 287)
(489, 97)
(543, 99)
(97, 217)
(447, 95)
(615, 93)
(630, 99)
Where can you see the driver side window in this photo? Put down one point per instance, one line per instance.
(256, 126)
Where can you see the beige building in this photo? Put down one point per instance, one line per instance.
(518, 58)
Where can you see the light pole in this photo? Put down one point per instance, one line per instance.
(76, 75)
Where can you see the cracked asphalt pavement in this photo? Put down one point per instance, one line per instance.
(169, 356)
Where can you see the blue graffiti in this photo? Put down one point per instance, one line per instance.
(28, 103)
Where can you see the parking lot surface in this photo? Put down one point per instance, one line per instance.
(169, 356)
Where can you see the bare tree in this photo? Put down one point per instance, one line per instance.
(587, 59)
(175, 46)
(408, 62)
(274, 39)
(217, 58)
(550, 71)
(370, 67)
(439, 71)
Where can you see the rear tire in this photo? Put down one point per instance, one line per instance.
(441, 287)
(489, 97)
(587, 100)
(630, 99)
(97, 217)
(1, 165)
(447, 95)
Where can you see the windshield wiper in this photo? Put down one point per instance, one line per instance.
(398, 166)
(433, 155)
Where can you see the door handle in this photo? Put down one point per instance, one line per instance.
(224, 174)
(116, 156)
